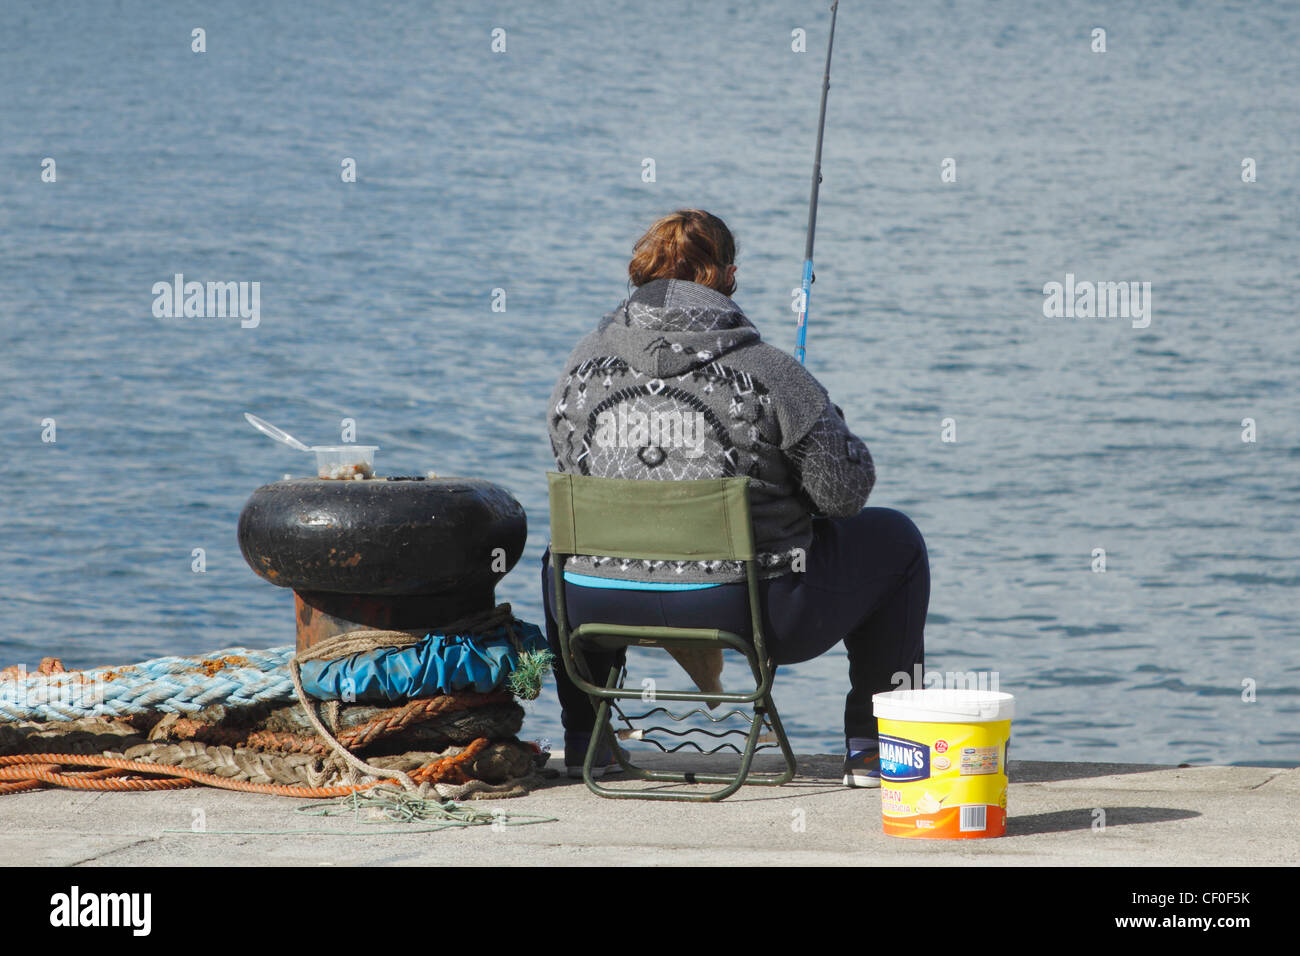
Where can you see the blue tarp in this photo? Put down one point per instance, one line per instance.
(439, 664)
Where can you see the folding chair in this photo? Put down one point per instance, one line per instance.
(668, 521)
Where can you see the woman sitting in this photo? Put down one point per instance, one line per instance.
(679, 351)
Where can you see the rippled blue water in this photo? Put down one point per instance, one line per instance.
(522, 171)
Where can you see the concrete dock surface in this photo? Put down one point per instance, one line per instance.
(1153, 815)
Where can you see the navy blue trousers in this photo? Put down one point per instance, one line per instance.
(867, 583)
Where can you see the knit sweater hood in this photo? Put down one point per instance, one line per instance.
(669, 327)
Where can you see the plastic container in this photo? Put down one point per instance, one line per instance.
(943, 762)
(345, 461)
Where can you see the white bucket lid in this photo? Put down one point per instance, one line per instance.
(938, 705)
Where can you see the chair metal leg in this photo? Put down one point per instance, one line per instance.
(603, 732)
(783, 742)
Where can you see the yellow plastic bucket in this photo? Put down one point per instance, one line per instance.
(943, 762)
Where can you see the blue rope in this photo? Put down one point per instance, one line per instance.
(235, 677)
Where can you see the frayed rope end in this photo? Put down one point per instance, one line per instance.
(526, 680)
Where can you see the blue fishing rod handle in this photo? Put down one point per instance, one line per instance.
(800, 351)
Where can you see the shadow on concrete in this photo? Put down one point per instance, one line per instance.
(817, 774)
(1065, 821)
(747, 794)
(1039, 771)
(829, 768)
(810, 767)
(801, 788)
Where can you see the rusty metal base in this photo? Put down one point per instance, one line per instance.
(324, 614)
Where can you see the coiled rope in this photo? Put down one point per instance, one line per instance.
(235, 677)
(386, 723)
(359, 642)
(30, 771)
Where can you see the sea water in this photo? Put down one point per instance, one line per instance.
(1111, 511)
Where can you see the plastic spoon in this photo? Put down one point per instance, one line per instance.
(266, 428)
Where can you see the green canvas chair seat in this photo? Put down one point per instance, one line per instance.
(704, 520)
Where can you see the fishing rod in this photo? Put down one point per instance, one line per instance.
(800, 351)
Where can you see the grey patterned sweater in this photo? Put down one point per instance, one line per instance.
(676, 384)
